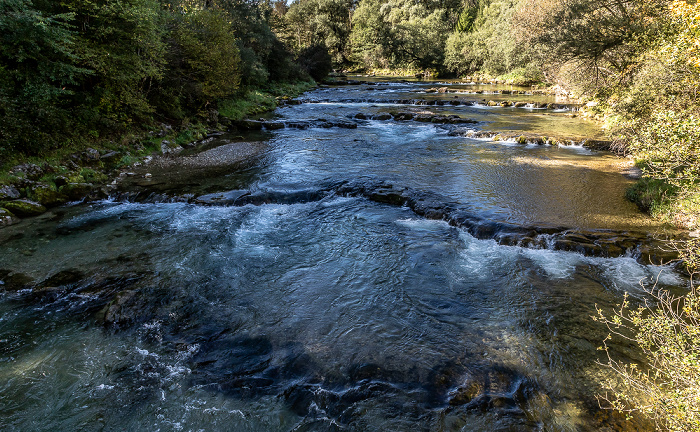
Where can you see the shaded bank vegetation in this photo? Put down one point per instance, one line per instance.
(77, 71)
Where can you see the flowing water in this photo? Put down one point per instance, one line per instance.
(320, 304)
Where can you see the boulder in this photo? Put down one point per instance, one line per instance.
(168, 147)
(7, 218)
(273, 125)
(24, 207)
(76, 191)
(382, 116)
(111, 157)
(520, 104)
(14, 281)
(28, 170)
(247, 124)
(47, 196)
(90, 155)
(8, 193)
(403, 116)
(492, 103)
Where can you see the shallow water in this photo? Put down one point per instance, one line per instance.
(331, 313)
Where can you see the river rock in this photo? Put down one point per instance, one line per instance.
(111, 157)
(248, 124)
(14, 281)
(492, 103)
(8, 193)
(167, 147)
(340, 124)
(76, 191)
(7, 218)
(24, 207)
(382, 116)
(520, 104)
(403, 116)
(61, 279)
(273, 125)
(28, 170)
(360, 116)
(298, 124)
(222, 198)
(47, 196)
(90, 155)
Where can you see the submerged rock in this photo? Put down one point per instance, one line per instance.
(14, 281)
(25, 207)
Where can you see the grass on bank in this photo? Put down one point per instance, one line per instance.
(136, 144)
(259, 101)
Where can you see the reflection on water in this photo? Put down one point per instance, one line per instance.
(334, 314)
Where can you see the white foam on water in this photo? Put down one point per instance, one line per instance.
(625, 273)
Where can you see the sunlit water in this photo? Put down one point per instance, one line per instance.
(336, 313)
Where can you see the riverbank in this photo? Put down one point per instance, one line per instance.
(91, 170)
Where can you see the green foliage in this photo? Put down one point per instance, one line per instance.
(667, 330)
(259, 101)
(651, 195)
(318, 22)
(669, 143)
(488, 44)
(466, 19)
(527, 75)
(121, 42)
(400, 33)
(75, 71)
(38, 73)
(204, 60)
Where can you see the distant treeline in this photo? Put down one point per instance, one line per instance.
(76, 69)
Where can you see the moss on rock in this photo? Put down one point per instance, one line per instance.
(24, 207)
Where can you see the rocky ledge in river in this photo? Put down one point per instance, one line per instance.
(419, 117)
(530, 138)
(450, 102)
(260, 124)
(644, 247)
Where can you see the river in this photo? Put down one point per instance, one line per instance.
(359, 274)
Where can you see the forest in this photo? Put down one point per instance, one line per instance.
(105, 74)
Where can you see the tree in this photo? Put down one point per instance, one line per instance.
(320, 22)
(38, 73)
(400, 33)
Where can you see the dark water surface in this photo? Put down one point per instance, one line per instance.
(332, 312)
